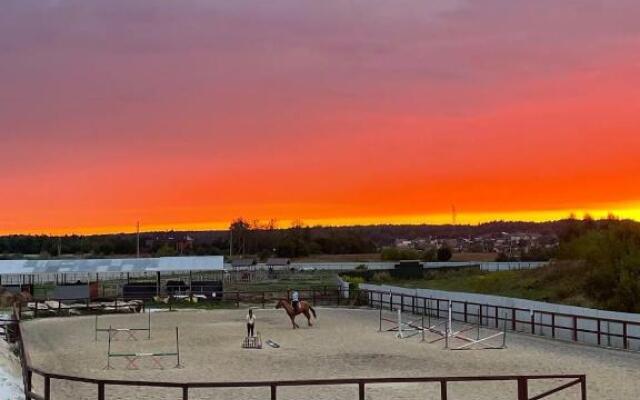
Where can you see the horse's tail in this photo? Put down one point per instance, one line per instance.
(313, 312)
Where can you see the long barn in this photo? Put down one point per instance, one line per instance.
(91, 278)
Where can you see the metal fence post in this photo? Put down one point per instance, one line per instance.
(185, 393)
(465, 312)
(101, 391)
(274, 395)
(533, 322)
(523, 389)
(47, 388)
(361, 391)
(29, 380)
(443, 389)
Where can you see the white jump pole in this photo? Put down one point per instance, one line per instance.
(450, 318)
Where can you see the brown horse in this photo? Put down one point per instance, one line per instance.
(303, 308)
(9, 299)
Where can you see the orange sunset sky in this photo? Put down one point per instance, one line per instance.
(186, 114)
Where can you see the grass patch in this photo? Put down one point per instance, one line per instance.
(560, 282)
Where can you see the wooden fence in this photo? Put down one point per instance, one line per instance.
(314, 295)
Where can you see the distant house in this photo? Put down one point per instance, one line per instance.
(278, 262)
(243, 263)
(403, 243)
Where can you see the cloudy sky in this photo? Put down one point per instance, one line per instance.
(186, 114)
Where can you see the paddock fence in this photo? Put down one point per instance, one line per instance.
(604, 332)
(316, 296)
(38, 382)
(521, 384)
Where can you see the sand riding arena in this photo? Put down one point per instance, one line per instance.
(344, 345)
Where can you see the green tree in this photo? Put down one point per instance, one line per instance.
(166, 251)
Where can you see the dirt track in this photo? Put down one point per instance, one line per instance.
(343, 344)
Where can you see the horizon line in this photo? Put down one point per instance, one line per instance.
(221, 227)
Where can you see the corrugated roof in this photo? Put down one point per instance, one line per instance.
(278, 261)
(199, 263)
(243, 262)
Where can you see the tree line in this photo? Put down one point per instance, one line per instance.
(609, 251)
(266, 239)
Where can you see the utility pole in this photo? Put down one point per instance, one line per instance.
(230, 242)
(138, 239)
(59, 246)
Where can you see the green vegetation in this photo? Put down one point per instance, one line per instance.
(598, 266)
(611, 254)
(554, 283)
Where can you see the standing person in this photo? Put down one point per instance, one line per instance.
(251, 322)
(295, 299)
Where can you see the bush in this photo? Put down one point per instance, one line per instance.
(353, 280)
(395, 254)
(612, 264)
(381, 277)
(444, 254)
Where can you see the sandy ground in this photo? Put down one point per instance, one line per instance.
(10, 379)
(342, 344)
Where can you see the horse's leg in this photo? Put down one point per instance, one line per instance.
(293, 321)
(306, 314)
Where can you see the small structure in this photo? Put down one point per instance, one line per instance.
(140, 290)
(243, 263)
(76, 291)
(209, 289)
(278, 262)
(408, 269)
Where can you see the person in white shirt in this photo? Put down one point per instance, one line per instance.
(251, 322)
(295, 299)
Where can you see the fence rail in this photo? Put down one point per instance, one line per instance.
(339, 297)
(521, 381)
(490, 315)
(605, 332)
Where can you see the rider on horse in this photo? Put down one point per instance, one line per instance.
(295, 300)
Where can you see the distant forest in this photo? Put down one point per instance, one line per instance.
(244, 238)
